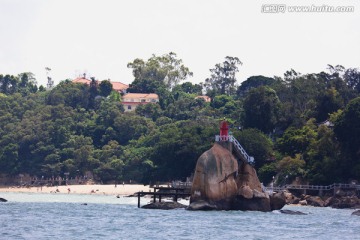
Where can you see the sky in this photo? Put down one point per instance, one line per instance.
(99, 37)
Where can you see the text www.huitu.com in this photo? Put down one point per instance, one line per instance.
(283, 8)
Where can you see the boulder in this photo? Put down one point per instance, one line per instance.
(330, 201)
(315, 201)
(214, 178)
(303, 202)
(202, 205)
(356, 213)
(292, 212)
(291, 198)
(253, 204)
(246, 192)
(219, 183)
(164, 205)
(277, 201)
(3, 200)
(343, 202)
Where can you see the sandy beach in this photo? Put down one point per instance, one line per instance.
(127, 189)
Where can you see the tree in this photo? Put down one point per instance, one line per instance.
(221, 100)
(165, 69)
(256, 144)
(297, 140)
(352, 78)
(261, 108)
(323, 158)
(8, 84)
(254, 82)
(289, 168)
(70, 94)
(328, 102)
(223, 79)
(105, 88)
(347, 130)
(189, 88)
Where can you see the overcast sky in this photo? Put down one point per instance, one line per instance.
(100, 37)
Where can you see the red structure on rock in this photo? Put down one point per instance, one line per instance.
(224, 129)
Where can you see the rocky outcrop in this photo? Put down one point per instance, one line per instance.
(277, 201)
(290, 198)
(356, 213)
(290, 212)
(220, 184)
(314, 201)
(215, 178)
(164, 205)
(343, 202)
(202, 205)
(3, 200)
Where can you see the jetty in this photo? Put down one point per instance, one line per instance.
(160, 193)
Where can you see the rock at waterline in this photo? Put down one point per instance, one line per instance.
(3, 200)
(220, 184)
(290, 212)
(314, 201)
(164, 205)
(202, 205)
(343, 202)
(277, 201)
(356, 213)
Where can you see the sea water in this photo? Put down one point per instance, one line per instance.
(65, 216)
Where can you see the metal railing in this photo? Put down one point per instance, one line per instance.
(237, 145)
(315, 187)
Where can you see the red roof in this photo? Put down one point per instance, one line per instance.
(118, 86)
(141, 95)
(82, 80)
(206, 98)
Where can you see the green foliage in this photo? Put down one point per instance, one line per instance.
(261, 108)
(296, 141)
(347, 130)
(76, 128)
(288, 168)
(257, 144)
(328, 102)
(164, 70)
(105, 88)
(255, 82)
(267, 172)
(223, 79)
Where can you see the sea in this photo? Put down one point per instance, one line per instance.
(72, 216)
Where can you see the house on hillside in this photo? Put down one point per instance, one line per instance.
(82, 80)
(132, 100)
(117, 86)
(206, 98)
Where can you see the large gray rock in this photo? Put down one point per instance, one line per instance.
(356, 213)
(315, 201)
(164, 205)
(291, 212)
(202, 205)
(220, 184)
(277, 201)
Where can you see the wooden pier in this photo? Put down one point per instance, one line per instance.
(160, 192)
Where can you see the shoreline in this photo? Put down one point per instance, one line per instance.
(95, 189)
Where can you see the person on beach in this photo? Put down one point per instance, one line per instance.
(68, 190)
